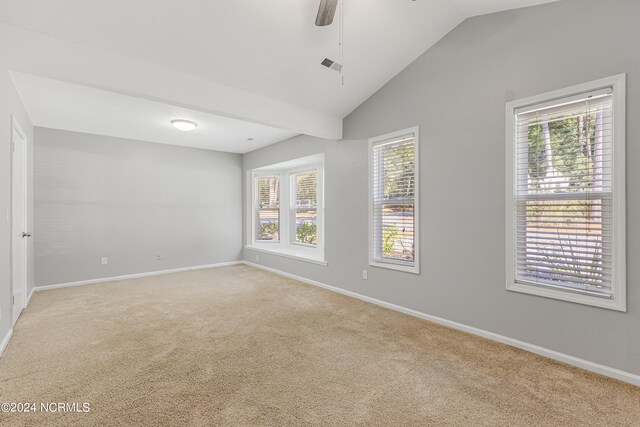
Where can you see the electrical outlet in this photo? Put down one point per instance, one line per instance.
(105, 261)
(365, 275)
(159, 257)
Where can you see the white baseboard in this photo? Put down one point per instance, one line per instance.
(551, 354)
(5, 341)
(134, 276)
(26, 304)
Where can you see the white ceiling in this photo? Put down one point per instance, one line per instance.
(60, 105)
(269, 49)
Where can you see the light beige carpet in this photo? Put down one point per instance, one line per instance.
(240, 346)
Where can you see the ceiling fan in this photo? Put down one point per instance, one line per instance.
(326, 12)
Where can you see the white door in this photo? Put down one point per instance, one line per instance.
(19, 233)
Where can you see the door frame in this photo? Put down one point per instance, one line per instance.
(15, 126)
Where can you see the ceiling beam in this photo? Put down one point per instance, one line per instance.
(39, 54)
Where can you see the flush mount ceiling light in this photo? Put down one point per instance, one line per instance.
(185, 125)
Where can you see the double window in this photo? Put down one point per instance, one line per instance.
(287, 215)
(565, 197)
(393, 201)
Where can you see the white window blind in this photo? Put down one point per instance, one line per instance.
(304, 207)
(393, 210)
(563, 185)
(268, 208)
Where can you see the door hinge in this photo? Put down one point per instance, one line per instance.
(13, 300)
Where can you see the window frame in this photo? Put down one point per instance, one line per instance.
(292, 204)
(286, 245)
(256, 209)
(414, 267)
(618, 299)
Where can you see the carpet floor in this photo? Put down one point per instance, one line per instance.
(241, 346)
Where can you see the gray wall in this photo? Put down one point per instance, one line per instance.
(10, 105)
(456, 93)
(129, 201)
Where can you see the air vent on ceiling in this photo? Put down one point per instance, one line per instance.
(332, 65)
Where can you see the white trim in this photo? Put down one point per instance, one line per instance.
(298, 162)
(619, 300)
(15, 126)
(607, 371)
(5, 341)
(134, 276)
(591, 86)
(254, 210)
(29, 297)
(415, 268)
(566, 295)
(277, 252)
(318, 169)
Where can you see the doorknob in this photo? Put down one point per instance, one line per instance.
(25, 234)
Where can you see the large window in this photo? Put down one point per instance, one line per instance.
(566, 198)
(287, 209)
(393, 201)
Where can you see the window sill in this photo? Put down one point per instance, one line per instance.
(575, 297)
(398, 267)
(288, 254)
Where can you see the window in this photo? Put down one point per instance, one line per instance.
(304, 207)
(268, 206)
(565, 197)
(287, 210)
(393, 201)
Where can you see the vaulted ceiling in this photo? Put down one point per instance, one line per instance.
(252, 60)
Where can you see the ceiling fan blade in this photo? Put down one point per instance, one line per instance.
(326, 12)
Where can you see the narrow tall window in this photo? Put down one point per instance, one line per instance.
(566, 195)
(393, 201)
(305, 207)
(268, 207)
